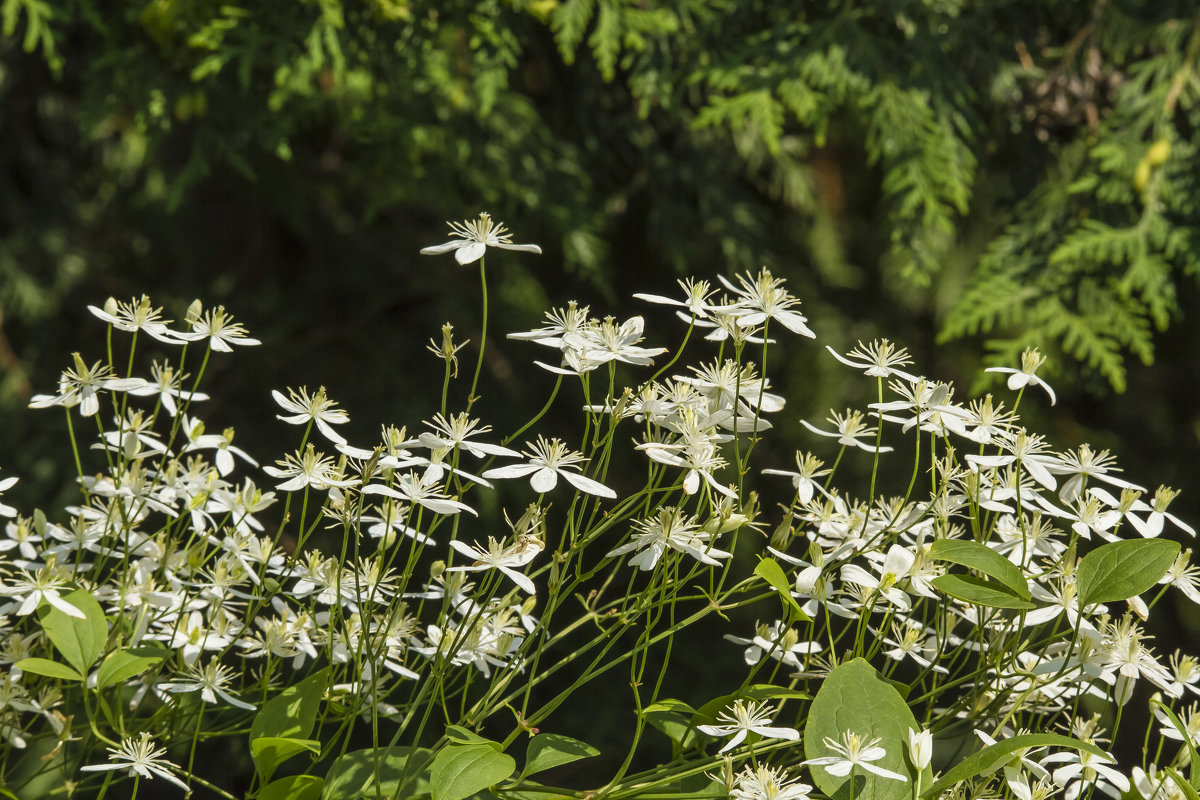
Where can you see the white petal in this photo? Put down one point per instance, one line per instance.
(544, 480)
(472, 251)
(438, 249)
(512, 471)
(519, 579)
(585, 484)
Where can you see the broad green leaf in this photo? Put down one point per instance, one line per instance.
(461, 735)
(51, 669)
(979, 592)
(548, 750)
(402, 773)
(770, 571)
(1121, 570)
(672, 717)
(293, 787)
(292, 713)
(994, 756)
(269, 752)
(121, 665)
(982, 558)
(81, 641)
(460, 771)
(854, 698)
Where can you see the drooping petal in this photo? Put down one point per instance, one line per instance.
(544, 480)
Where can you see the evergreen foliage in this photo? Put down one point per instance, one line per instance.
(1019, 171)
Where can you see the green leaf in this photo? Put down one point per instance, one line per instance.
(994, 756)
(548, 750)
(293, 787)
(672, 717)
(980, 592)
(1121, 570)
(1189, 791)
(402, 773)
(292, 713)
(460, 771)
(121, 665)
(770, 571)
(461, 735)
(51, 669)
(854, 698)
(81, 641)
(269, 752)
(982, 558)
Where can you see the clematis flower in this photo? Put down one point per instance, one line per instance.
(502, 558)
(768, 783)
(1018, 379)
(669, 529)
(743, 718)
(217, 326)
(316, 407)
(879, 359)
(853, 751)
(475, 237)
(81, 387)
(142, 758)
(549, 460)
(136, 315)
(764, 298)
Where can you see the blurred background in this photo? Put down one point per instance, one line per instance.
(966, 179)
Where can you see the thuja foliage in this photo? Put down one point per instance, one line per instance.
(976, 635)
(1032, 164)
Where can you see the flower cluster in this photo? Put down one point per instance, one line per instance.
(377, 590)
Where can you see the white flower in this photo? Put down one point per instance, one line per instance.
(136, 315)
(854, 751)
(502, 558)
(1031, 359)
(879, 359)
(317, 408)
(920, 748)
(142, 758)
(308, 469)
(217, 326)
(81, 385)
(549, 460)
(851, 430)
(456, 431)
(167, 385)
(221, 442)
(669, 529)
(475, 236)
(412, 489)
(742, 718)
(896, 566)
(809, 469)
(1084, 770)
(765, 298)
(782, 643)
(46, 584)
(695, 301)
(210, 680)
(610, 341)
(767, 783)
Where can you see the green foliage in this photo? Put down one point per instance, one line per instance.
(1120, 570)
(855, 700)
